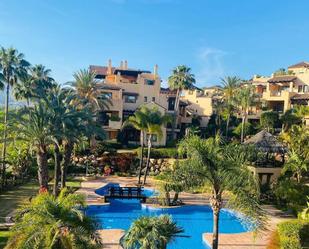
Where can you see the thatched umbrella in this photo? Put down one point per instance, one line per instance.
(266, 142)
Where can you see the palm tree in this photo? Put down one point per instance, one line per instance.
(36, 84)
(155, 121)
(230, 87)
(56, 223)
(88, 90)
(151, 232)
(12, 65)
(222, 168)
(181, 79)
(296, 163)
(297, 139)
(245, 98)
(301, 111)
(36, 128)
(140, 122)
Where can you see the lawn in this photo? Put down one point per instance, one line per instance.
(3, 238)
(10, 200)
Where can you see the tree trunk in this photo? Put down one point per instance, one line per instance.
(227, 125)
(215, 235)
(175, 114)
(175, 199)
(68, 148)
(6, 114)
(242, 128)
(216, 204)
(56, 169)
(42, 166)
(148, 158)
(141, 157)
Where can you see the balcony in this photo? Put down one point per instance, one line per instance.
(116, 125)
(280, 95)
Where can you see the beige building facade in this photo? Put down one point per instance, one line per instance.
(128, 89)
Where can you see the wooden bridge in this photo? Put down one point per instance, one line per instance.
(125, 193)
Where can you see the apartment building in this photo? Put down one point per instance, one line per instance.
(284, 89)
(128, 89)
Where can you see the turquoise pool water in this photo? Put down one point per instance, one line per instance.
(195, 220)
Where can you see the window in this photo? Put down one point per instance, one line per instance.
(130, 98)
(149, 82)
(145, 99)
(300, 89)
(153, 99)
(305, 88)
(107, 95)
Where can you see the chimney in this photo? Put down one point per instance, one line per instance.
(121, 64)
(109, 69)
(125, 64)
(155, 70)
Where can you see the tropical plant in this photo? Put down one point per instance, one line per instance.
(151, 232)
(155, 122)
(245, 98)
(288, 119)
(223, 169)
(56, 223)
(171, 180)
(305, 212)
(301, 111)
(12, 66)
(230, 88)
(88, 91)
(140, 122)
(181, 79)
(268, 120)
(297, 139)
(35, 128)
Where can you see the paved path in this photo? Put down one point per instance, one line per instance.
(226, 241)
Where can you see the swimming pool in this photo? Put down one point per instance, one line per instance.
(195, 220)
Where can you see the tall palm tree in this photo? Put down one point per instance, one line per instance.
(55, 223)
(34, 84)
(181, 79)
(245, 98)
(12, 65)
(88, 90)
(230, 87)
(151, 232)
(222, 168)
(140, 122)
(36, 128)
(155, 122)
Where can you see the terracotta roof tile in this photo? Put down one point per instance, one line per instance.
(283, 78)
(300, 64)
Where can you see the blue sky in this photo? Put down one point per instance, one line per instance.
(214, 38)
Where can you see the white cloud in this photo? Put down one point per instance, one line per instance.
(211, 65)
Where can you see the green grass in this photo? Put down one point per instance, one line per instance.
(10, 200)
(74, 182)
(3, 238)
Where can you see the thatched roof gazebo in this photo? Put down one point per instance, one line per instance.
(266, 142)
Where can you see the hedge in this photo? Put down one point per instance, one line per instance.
(160, 152)
(292, 233)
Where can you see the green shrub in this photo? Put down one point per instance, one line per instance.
(292, 234)
(248, 129)
(290, 194)
(160, 153)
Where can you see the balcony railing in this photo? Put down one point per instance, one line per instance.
(275, 93)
